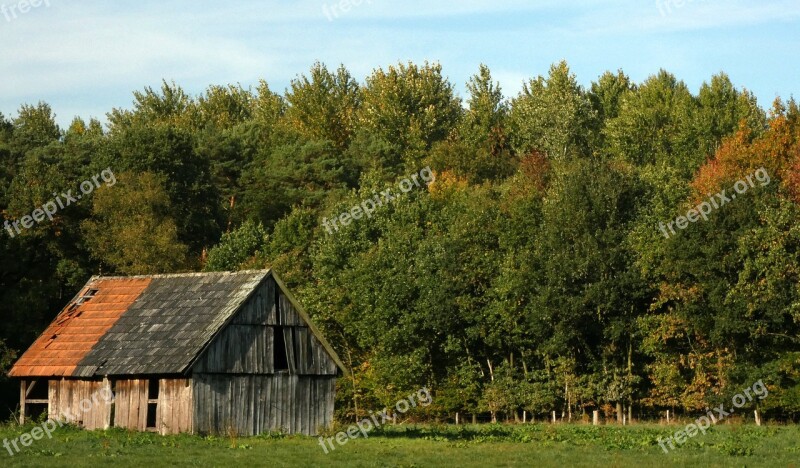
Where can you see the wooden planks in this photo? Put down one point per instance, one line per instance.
(254, 404)
(249, 349)
(131, 404)
(239, 349)
(81, 402)
(174, 413)
(236, 389)
(246, 345)
(288, 316)
(260, 309)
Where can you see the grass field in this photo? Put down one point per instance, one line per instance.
(421, 446)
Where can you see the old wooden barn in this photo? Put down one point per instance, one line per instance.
(201, 353)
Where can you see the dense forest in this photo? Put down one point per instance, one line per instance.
(533, 271)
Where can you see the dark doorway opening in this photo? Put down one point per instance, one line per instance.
(37, 399)
(152, 403)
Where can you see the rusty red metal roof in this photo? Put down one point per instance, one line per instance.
(78, 328)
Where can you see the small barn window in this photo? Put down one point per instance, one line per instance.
(280, 359)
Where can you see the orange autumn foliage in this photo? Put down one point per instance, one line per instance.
(777, 150)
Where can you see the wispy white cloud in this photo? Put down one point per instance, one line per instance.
(666, 16)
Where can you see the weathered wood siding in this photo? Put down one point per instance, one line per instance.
(236, 386)
(253, 404)
(81, 402)
(246, 345)
(260, 309)
(130, 404)
(174, 412)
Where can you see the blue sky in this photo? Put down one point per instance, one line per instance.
(86, 57)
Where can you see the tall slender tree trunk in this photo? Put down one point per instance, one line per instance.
(630, 376)
(230, 213)
(491, 378)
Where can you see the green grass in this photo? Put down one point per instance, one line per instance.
(420, 446)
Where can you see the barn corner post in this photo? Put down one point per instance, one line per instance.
(22, 397)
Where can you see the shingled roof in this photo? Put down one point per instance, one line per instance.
(142, 325)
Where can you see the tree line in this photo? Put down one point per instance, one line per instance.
(530, 275)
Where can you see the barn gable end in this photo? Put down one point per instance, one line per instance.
(268, 352)
(248, 343)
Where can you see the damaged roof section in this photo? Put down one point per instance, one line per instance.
(79, 327)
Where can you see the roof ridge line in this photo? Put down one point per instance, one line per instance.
(182, 275)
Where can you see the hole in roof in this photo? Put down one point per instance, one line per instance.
(50, 341)
(88, 294)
